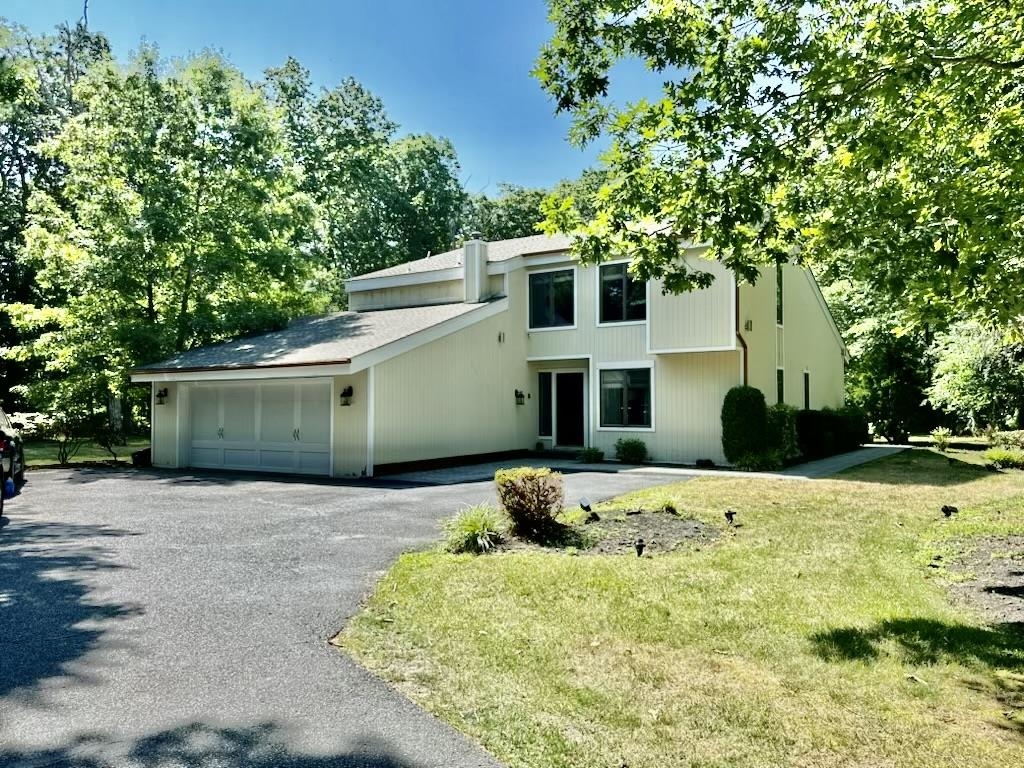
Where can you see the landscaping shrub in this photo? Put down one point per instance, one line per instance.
(744, 423)
(475, 529)
(591, 456)
(1008, 439)
(767, 461)
(830, 431)
(1005, 457)
(631, 450)
(782, 432)
(855, 427)
(531, 498)
(941, 437)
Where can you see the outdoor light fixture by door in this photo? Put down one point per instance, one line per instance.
(161, 396)
(520, 397)
(346, 395)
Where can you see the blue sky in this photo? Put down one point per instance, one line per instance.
(454, 68)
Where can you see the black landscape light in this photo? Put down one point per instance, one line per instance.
(639, 544)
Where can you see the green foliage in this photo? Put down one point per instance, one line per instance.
(477, 529)
(1008, 439)
(1005, 457)
(744, 423)
(766, 461)
(782, 437)
(829, 431)
(941, 437)
(979, 376)
(531, 497)
(857, 132)
(591, 456)
(630, 450)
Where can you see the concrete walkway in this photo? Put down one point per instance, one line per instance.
(811, 470)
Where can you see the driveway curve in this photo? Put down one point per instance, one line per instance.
(168, 619)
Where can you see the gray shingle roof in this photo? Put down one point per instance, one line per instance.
(499, 250)
(323, 339)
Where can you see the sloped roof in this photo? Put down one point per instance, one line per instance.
(319, 340)
(499, 250)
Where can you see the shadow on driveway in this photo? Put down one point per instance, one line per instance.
(200, 745)
(48, 618)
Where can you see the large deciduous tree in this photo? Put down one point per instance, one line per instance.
(880, 133)
(178, 223)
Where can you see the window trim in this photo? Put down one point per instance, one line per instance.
(597, 299)
(575, 299)
(625, 365)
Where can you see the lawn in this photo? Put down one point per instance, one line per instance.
(44, 452)
(820, 632)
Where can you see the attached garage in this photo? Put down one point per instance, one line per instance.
(274, 426)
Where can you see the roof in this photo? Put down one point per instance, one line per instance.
(319, 340)
(499, 250)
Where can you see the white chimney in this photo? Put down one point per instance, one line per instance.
(474, 268)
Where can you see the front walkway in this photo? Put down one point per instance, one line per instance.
(811, 470)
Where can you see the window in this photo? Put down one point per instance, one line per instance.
(544, 404)
(626, 398)
(807, 391)
(780, 386)
(552, 304)
(622, 298)
(778, 294)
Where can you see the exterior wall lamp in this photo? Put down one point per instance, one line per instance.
(520, 397)
(161, 396)
(346, 395)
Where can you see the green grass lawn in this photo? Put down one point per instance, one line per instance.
(44, 452)
(816, 634)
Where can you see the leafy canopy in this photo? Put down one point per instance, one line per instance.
(880, 135)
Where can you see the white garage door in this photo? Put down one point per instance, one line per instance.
(278, 427)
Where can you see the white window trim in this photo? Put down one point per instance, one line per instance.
(624, 366)
(575, 299)
(597, 298)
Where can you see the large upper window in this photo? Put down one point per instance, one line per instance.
(626, 398)
(552, 303)
(622, 298)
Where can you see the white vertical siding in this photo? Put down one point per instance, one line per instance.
(349, 426)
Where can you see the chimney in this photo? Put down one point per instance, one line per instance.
(474, 268)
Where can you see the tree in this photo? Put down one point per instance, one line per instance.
(883, 134)
(178, 224)
(515, 212)
(979, 377)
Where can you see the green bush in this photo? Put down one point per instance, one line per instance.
(1005, 457)
(766, 461)
(591, 456)
(631, 450)
(830, 431)
(744, 423)
(1008, 439)
(531, 497)
(855, 431)
(941, 437)
(782, 431)
(475, 529)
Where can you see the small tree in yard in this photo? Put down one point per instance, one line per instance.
(531, 497)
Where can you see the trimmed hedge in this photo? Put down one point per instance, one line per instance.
(782, 436)
(744, 424)
(830, 431)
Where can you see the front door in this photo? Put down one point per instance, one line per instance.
(569, 399)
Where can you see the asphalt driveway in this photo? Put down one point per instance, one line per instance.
(152, 619)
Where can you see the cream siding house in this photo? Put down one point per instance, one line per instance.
(496, 348)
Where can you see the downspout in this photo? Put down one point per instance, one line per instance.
(739, 336)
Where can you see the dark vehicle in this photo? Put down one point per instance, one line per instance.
(13, 450)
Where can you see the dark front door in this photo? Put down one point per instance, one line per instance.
(569, 409)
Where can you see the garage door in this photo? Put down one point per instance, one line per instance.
(277, 427)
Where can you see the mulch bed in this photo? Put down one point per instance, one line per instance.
(997, 589)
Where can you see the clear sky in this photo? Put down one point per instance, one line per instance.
(453, 68)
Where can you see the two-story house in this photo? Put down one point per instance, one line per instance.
(494, 348)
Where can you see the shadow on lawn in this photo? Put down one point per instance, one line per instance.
(264, 745)
(920, 642)
(917, 467)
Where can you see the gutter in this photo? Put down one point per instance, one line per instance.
(739, 336)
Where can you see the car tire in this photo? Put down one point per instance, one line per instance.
(19, 475)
